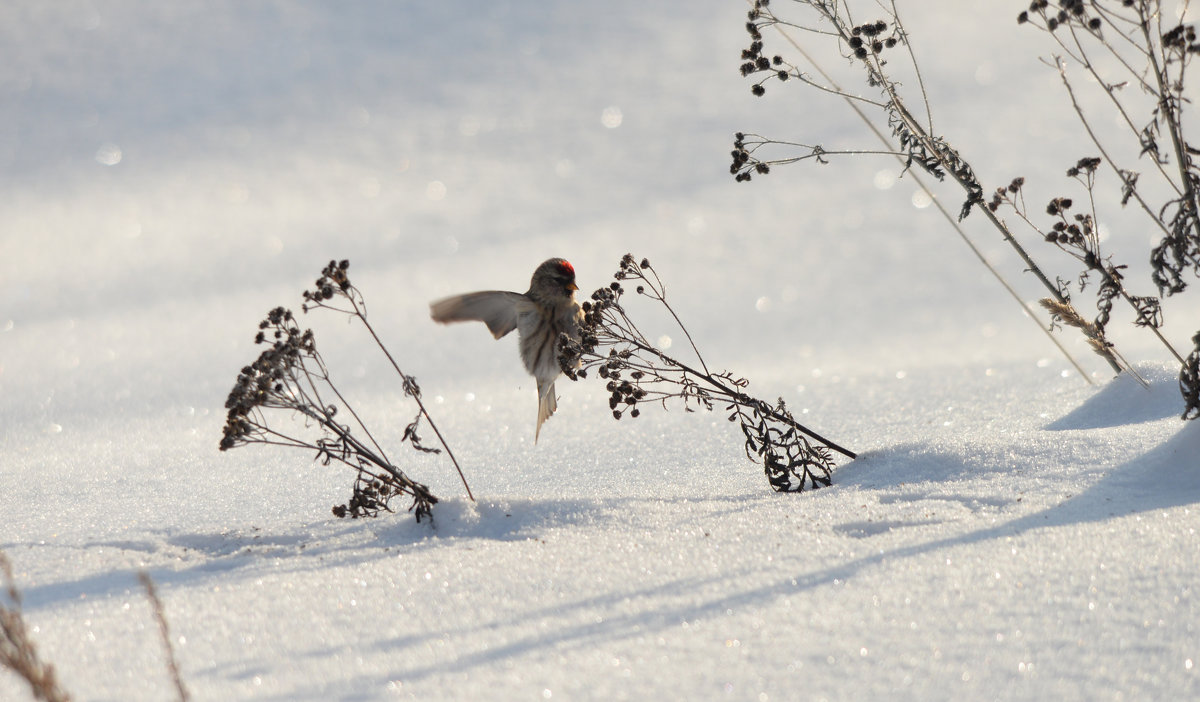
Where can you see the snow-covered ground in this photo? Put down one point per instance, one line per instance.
(170, 172)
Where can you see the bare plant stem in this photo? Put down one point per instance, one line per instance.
(164, 632)
(657, 291)
(290, 375)
(1087, 127)
(972, 186)
(1081, 55)
(17, 651)
(417, 397)
(941, 208)
(732, 395)
(1171, 116)
(639, 373)
(935, 155)
(358, 449)
(1108, 159)
(334, 278)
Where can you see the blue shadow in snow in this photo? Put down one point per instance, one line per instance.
(234, 554)
(1163, 477)
(1125, 401)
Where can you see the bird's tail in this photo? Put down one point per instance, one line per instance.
(547, 403)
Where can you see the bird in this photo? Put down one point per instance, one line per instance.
(539, 315)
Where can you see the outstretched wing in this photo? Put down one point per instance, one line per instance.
(497, 309)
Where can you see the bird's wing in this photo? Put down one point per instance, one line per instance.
(496, 308)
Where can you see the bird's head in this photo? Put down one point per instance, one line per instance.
(554, 277)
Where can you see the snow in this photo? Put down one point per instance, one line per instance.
(170, 174)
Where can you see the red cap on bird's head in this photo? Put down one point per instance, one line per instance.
(555, 271)
(568, 269)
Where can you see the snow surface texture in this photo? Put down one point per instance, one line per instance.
(170, 172)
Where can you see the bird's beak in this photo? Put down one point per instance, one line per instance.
(572, 287)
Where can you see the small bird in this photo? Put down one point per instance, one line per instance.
(539, 316)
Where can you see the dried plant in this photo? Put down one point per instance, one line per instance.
(1130, 36)
(290, 378)
(1134, 37)
(164, 634)
(1189, 381)
(912, 138)
(1135, 41)
(637, 373)
(1077, 234)
(18, 652)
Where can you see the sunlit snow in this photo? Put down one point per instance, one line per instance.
(173, 171)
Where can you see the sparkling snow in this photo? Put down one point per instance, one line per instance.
(171, 172)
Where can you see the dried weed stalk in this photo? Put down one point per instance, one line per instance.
(1134, 40)
(164, 634)
(1138, 58)
(1189, 381)
(912, 137)
(637, 373)
(18, 652)
(290, 378)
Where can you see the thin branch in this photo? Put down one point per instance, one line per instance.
(334, 282)
(18, 652)
(879, 135)
(638, 373)
(1171, 117)
(916, 67)
(164, 632)
(409, 383)
(288, 376)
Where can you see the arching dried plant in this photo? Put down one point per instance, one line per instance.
(638, 373)
(290, 378)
